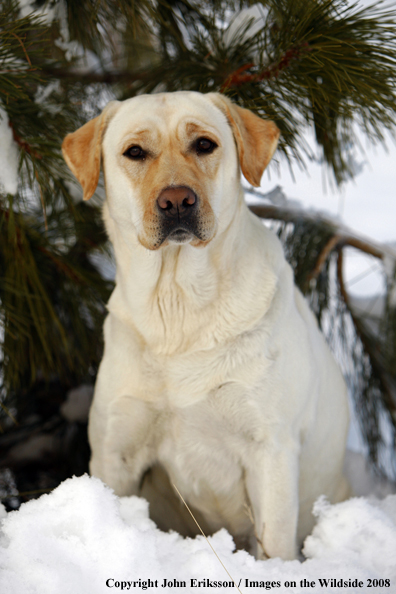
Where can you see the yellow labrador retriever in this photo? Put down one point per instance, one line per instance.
(214, 368)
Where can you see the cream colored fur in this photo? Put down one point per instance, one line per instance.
(214, 369)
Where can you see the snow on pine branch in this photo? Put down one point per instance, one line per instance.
(8, 156)
(49, 12)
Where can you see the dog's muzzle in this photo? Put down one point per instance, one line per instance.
(178, 210)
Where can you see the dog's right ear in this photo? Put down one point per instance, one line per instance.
(82, 149)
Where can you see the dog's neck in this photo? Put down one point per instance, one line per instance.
(163, 293)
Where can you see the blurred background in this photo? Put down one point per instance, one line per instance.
(323, 70)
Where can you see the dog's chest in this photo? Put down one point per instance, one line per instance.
(212, 436)
(209, 404)
(204, 449)
(236, 368)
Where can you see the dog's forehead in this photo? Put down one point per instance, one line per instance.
(163, 112)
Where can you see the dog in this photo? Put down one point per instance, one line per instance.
(214, 370)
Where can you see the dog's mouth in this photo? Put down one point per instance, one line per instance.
(180, 231)
(180, 235)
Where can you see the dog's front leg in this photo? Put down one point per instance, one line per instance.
(272, 488)
(128, 444)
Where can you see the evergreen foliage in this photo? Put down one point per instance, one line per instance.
(320, 63)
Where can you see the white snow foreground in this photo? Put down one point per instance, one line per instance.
(81, 538)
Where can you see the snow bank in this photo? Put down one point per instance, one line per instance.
(81, 538)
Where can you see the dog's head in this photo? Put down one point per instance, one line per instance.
(170, 162)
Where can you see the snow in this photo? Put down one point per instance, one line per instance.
(8, 157)
(49, 12)
(358, 531)
(361, 476)
(81, 535)
(246, 24)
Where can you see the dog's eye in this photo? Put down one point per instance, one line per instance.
(205, 146)
(136, 153)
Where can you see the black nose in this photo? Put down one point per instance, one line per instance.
(177, 202)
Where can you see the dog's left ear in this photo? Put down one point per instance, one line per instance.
(82, 149)
(256, 138)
